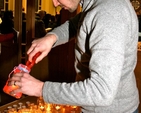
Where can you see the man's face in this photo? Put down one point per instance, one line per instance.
(70, 5)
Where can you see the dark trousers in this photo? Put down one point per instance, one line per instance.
(136, 111)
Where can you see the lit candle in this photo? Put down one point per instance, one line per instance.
(41, 107)
(63, 110)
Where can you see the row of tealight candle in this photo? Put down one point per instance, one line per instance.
(41, 107)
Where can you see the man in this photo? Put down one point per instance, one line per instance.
(106, 49)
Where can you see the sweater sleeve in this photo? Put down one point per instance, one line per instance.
(66, 31)
(62, 34)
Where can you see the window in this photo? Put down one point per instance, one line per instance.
(6, 4)
(39, 4)
(2, 4)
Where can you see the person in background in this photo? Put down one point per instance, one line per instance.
(53, 22)
(7, 24)
(7, 27)
(46, 19)
(7, 37)
(40, 30)
(58, 19)
(106, 33)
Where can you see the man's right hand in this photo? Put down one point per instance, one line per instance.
(42, 45)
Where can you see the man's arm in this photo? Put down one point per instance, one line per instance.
(66, 31)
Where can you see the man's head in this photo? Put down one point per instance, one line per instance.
(70, 5)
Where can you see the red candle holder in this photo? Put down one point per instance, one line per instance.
(8, 88)
(20, 68)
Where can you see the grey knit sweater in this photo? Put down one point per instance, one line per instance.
(106, 55)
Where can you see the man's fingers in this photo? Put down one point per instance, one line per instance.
(14, 92)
